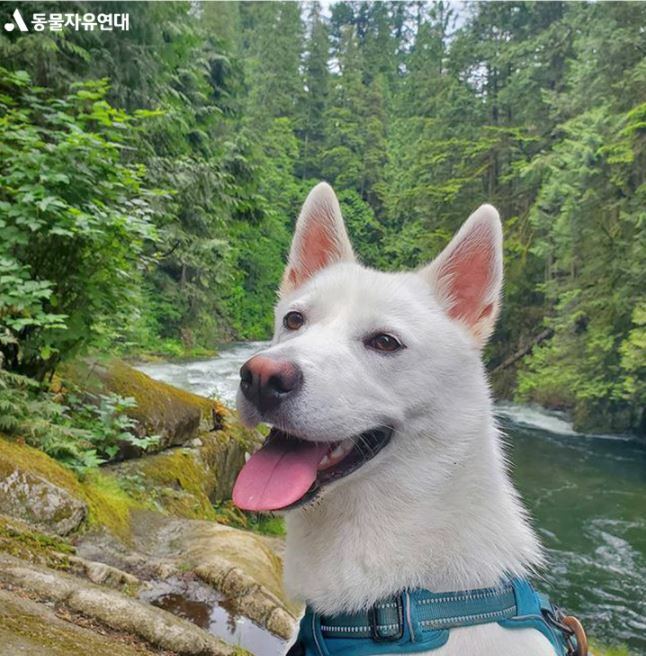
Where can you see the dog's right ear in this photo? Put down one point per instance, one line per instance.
(320, 239)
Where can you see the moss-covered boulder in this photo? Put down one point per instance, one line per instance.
(175, 415)
(187, 481)
(105, 503)
(19, 539)
(29, 492)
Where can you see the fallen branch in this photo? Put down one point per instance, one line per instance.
(512, 359)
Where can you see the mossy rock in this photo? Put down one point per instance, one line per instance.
(177, 416)
(37, 491)
(18, 539)
(187, 481)
(103, 500)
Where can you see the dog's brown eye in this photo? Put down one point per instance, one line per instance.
(384, 342)
(293, 320)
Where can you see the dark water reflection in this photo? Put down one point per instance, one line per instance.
(193, 600)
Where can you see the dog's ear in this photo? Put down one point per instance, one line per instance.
(320, 238)
(467, 275)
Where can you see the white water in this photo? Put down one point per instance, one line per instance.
(214, 378)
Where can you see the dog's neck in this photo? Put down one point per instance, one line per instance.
(422, 520)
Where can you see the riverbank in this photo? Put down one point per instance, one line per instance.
(125, 549)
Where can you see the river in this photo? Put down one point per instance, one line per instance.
(586, 493)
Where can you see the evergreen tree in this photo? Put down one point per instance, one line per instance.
(311, 129)
(416, 112)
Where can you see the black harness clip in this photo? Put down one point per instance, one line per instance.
(383, 631)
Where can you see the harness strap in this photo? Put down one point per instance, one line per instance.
(418, 621)
(432, 612)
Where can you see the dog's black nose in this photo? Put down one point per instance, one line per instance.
(267, 382)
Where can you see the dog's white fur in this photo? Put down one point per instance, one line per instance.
(435, 508)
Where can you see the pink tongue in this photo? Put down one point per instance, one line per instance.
(279, 474)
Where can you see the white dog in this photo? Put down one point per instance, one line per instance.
(384, 450)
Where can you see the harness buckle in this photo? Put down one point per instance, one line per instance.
(573, 632)
(376, 629)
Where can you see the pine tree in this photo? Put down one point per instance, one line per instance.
(311, 128)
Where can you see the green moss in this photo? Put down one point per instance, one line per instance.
(111, 375)
(15, 455)
(152, 395)
(179, 483)
(17, 539)
(234, 430)
(29, 628)
(109, 504)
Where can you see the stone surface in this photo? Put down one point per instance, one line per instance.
(242, 566)
(103, 574)
(32, 498)
(114, 609)
(28, 628)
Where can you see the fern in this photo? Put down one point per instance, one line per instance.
(83, 432)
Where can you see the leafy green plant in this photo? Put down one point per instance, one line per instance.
(28, 411)
(74, 219)
(81, 432)
(108, 426)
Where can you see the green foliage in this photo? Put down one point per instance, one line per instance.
(30, 412)
(238, 108)
(108, 426)
(74, 220)
(82, 432)
(262, 523)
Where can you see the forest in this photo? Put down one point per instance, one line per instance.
(150, 178)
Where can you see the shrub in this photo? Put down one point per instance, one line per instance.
(74, 219)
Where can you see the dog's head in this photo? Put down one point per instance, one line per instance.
(362, 362)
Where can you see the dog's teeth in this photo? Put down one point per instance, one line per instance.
(324, 461)
(338, 452)
(246, 457)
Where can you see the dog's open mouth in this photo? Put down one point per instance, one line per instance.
(287, 471)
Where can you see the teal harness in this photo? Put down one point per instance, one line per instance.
(419, 621)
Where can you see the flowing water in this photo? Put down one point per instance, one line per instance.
(586, 493)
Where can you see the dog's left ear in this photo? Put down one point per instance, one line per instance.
(467, 275)
(320, 238)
